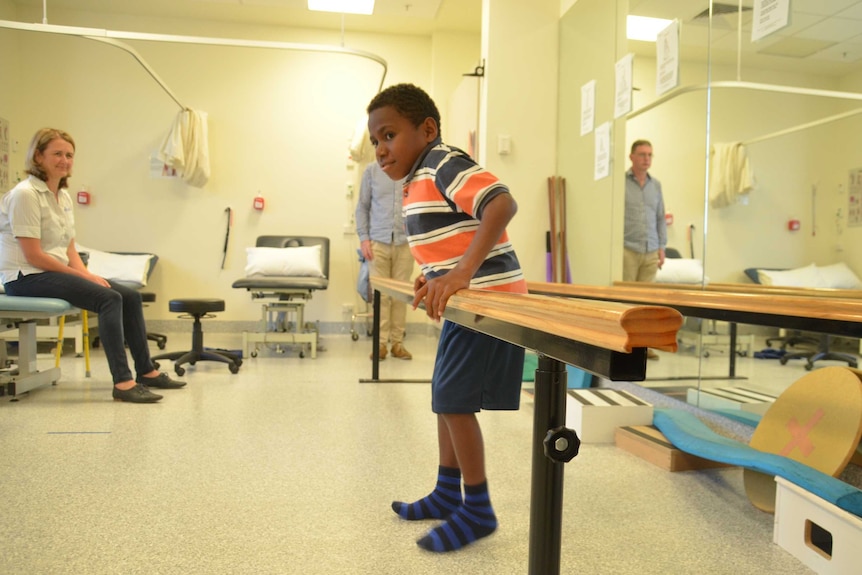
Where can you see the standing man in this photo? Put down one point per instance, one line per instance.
(380, 227)
(645, 235)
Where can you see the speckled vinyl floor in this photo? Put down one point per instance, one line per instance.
(290, 466)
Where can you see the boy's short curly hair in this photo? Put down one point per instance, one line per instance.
(408, 100)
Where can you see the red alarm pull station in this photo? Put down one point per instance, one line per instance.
(668, 219)
(793, 225)
(84, 197)
(258, 203)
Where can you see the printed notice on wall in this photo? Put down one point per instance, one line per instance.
(603, 151)
(588, 107)
(4, 155)
(623, 89)
(667, 59)
(769, 16)
(854, 198)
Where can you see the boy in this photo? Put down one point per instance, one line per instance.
(455, 215)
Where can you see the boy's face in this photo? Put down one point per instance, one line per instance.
(397, 141)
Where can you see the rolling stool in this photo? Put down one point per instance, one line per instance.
(198, 308)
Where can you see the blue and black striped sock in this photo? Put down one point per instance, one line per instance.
(473, 520)
(445, 498)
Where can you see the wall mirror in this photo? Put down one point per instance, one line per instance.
(789, 103)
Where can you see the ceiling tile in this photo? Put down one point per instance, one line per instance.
(834, 29)
(670, 9)
(846, 52)
(795, 47)
(822, 7)
(854, 12)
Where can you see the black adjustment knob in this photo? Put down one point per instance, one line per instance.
(561, 444)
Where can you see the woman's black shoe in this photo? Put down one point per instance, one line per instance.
(138, 394)
(161, 381)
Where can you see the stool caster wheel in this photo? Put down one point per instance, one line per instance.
(809, 366)
(301, 355)
(254, 353)
(156, 365)
(354, 336)
(233, 368)
(180, 371)
(783, 360)
(161, 345)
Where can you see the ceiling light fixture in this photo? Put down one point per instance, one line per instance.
(343, 6)
(644, 28)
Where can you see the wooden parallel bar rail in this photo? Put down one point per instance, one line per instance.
(754, 288)
(783, 308)
(611, 325)
(605, 338)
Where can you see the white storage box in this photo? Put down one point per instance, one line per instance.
(595, 413)
(824, 537)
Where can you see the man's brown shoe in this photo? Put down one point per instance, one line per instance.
(382, 352)
(399, 352)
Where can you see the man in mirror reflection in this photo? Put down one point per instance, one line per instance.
(645, 230)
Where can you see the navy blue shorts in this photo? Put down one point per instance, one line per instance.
(474, 371)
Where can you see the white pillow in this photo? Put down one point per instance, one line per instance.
(127, 268)
(806, 277)
(680, 271)
(298, 261)
(839, 276)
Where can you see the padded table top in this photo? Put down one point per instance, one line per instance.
(275, 283)
(34, 307)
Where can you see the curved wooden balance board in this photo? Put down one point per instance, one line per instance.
(610, 325)
(816, 421)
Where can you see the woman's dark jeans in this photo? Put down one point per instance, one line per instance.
(121, 315)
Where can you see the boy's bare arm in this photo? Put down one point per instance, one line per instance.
(495, 217)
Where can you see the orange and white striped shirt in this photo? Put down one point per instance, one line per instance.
(443, 201)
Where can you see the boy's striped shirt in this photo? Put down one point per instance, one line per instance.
(443, 202)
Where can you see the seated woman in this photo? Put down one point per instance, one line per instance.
(38, 258)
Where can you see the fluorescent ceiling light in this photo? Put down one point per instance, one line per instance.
(643, 27)
(343, 6)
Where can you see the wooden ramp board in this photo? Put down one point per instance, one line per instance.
(650, 444)
(816, 421)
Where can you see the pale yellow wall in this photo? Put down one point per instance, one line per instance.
(589, 48)
(520, 101)
(279, 123)
(9, 65)
(452, 56)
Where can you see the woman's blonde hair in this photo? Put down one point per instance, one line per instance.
(40, 141)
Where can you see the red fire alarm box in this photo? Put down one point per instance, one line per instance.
(84, 197)
(258, 203)
(793, 225)
(668, 219)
